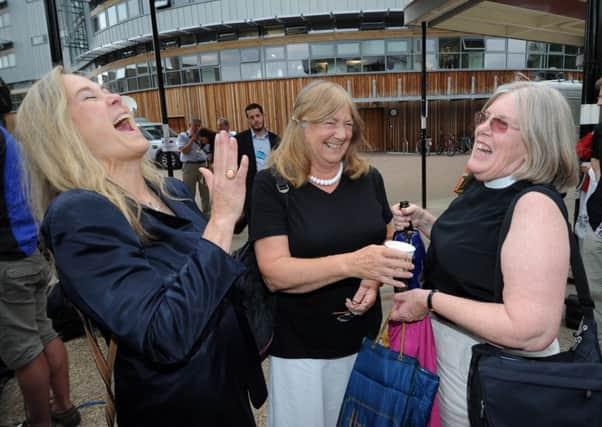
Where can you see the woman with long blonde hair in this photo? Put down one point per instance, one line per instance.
(134, 253)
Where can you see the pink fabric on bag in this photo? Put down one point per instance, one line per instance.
(419, 343)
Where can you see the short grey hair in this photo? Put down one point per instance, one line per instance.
(547, 128)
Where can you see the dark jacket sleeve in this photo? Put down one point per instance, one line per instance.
(105, 272)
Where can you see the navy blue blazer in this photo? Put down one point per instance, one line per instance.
(185, 353)
(245, 146)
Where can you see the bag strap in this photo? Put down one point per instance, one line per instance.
(104, 365)
(585, 299)
(383, 336)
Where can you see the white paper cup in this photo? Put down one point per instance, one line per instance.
(401, 246)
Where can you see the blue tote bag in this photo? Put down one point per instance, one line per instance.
(387, 388)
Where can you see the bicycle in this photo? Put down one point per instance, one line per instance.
(448, 144)
(465, 144)
(429, 145)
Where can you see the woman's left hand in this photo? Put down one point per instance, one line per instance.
(364, 297)
(410, 306)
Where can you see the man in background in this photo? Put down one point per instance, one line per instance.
(257, 143)
(28, 344)
(193, 155)
(223, 124)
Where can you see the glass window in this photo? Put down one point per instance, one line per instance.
(171, 63)
(517, 46)
(230, 73)
(229, 57)
(275, 69)
(12, 60)
(112, 15)
(210, 75)
(557, 48)
(570, 62)
(102, 20)
(322, 66)
(473, 44)
(472, 60)
(94, 22)
(495, 60)
(536, 61)
(4, 20)
(399, 62)
(133, 8)
(555, 61)
(249, 54)
(398, 46)
(298, 68)
(449, 60)
(132, 84)
(430, 45)
(209, 58)
(372, 64)
(492, 44)
(297, 51)
(348, 49)
(250, 70)
(274, 53)
(145, 82)
(571, 50)
(142, 68)
(449, 45)
(172, 78)
(119, 73)
(430, 62)
(118, 86)
(536, 47)
(348, 65)
(516, 61)
(322, 50)
(189, 61)
(191, 75)
(130, 70)
(122, 11)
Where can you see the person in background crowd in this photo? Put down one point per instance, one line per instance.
(319, 247)
(135, 254)
(257, 143)
(28, 344)
(223, 124)
(193, 155)
(592, 241)
(523, 137)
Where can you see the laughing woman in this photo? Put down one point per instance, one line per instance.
(319, 246)
(134, 253)
(513, 298)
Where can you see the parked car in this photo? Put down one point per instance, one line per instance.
(159, 151)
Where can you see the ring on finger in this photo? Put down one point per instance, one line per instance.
(230, 173)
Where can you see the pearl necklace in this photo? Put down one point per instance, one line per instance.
(331, 181)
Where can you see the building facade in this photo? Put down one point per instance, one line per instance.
(218, 56)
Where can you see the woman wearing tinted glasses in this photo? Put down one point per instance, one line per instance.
(514, 297)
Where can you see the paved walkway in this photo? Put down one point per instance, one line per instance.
(402, 176)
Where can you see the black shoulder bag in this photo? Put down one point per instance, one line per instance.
(257, 300)
(560, 390)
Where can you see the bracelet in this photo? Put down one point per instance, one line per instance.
(429, 299)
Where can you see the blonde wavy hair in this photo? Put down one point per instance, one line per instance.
(546, 125)
(58, 159)
(316, 103)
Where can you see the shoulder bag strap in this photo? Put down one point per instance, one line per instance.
(103, 365)
(577, 268)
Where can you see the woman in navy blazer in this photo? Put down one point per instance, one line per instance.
(134, 253)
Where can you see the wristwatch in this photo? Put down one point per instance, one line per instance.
(429, 299)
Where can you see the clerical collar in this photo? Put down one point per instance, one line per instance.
(499, 183)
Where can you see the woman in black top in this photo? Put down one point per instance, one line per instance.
(523, 137)
(320, 247)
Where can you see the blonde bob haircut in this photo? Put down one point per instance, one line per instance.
(547, 129)
(316, 103)
(57, 157)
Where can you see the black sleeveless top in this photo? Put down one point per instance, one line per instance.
(462, 256)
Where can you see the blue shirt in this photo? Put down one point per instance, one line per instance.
(184, 355)
(18, 232)
(261, 145)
